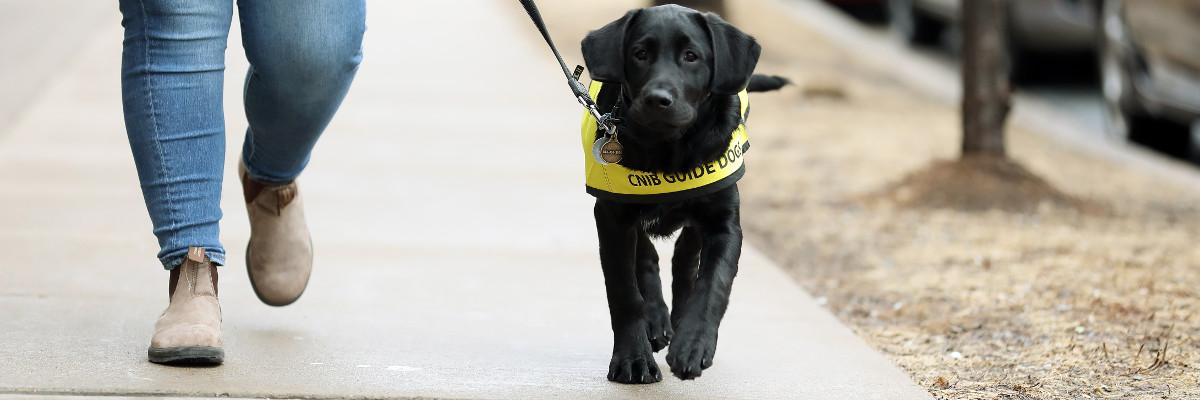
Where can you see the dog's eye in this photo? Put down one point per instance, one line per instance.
(639, 54)
(690, 56)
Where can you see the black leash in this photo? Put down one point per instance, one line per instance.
(607, 121)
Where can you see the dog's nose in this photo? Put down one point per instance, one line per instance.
(659, 98)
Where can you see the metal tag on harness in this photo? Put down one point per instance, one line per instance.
(612, 151)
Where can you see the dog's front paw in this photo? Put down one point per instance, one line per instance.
(658, 326)
(692, 351)
(633, 367)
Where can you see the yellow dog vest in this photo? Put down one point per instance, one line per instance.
(615, 182)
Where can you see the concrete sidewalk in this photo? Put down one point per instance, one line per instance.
(456, 253)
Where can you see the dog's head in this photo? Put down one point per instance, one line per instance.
(670, 59)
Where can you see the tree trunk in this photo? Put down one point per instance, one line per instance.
(985, 76)
(717, 6)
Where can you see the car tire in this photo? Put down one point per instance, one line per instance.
(913, 25)
(1021, 63)
(1194, 142)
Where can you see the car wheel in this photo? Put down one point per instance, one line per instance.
(1020, 63)
(1122, 119)
(1194, 142)
(913, 25)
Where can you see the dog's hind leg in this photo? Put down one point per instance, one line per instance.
(658, 320)
(632, 358)
(684, 263)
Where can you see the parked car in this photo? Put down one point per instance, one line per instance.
(1035, 26)
(717, 6)
(1150, 66)
(870, 11)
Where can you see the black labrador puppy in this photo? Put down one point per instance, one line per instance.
(677, 73)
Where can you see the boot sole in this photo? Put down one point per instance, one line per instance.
(250, 274)
(196, 355)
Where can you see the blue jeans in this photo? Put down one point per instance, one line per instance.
(303, 55)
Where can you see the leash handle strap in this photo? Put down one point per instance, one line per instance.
(577, 88)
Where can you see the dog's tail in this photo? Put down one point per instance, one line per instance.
(766, 83)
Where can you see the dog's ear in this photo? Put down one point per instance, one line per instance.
(604, 50)
(734, 56)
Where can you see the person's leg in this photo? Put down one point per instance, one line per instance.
(171, 78)
(303, 55)
(172, 70)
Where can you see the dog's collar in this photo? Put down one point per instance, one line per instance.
(617, 183)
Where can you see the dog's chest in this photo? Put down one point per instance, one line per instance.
(664, 220)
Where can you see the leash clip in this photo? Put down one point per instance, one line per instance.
(606, 121)
(609, 122)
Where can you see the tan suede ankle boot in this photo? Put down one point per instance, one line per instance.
(279, 255)
(189, 331)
